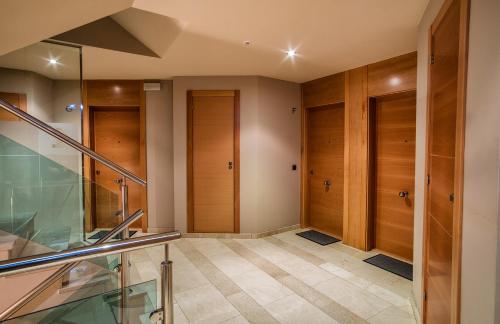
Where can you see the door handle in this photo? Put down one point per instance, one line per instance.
(230, 165)
(327, 183)
(403, 194)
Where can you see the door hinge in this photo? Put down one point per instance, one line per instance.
(428, 179)
(432, 59)
(452, 197)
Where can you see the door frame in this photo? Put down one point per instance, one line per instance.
(236, 140)
(304, 183)
(459, 158)
(112, 94)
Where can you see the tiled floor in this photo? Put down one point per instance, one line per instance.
(279, 279)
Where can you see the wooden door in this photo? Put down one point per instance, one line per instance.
(447, 74)
(116, 135)
(16, 99)
(214, 164)
(325, 163)
(393, 149)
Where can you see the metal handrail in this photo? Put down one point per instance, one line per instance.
(51, 259)
(71, 142)
(33, 293)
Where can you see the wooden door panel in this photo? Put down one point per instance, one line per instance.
(213, 176)
(325, 160)
(16, 99)
(116, 135)
(394, 172)
(443, 114)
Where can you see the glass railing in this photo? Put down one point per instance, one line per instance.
(131, 305)
(46, 203)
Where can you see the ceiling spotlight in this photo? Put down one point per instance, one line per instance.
(291, 53)
(53, 61)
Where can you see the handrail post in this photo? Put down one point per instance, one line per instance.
(124, 275)
(167, 299)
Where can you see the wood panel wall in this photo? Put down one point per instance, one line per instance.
(355, 87)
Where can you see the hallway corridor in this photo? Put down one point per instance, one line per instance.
(278, 279)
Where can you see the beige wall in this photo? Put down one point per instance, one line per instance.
(481, 162)
(269, 191)
(159, 135)
(480, 285)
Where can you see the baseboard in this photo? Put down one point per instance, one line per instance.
(241, 235)
(160, 229)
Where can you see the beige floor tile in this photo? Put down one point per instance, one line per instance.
(231, 264)
(209, 246)
(179, 317)
(295, 310)
(236, 320)
(205, 304)
(261, 287)
(310, 274)
(352, 297)
(388, 295)
(187, 276)
(248, 307)
(345, 274)
(394, 315)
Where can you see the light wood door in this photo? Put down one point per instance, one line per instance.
(116, 135)
(441, 159)
(213, 165)
(325, 163)
(16, 99)
(394, 173)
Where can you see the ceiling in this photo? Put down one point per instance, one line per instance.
(200, 37)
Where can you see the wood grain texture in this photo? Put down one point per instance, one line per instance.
(111, 94)
(355, 174)
(325, 161)
(448, 43)
(116, 135)
(121, 93)
(394, 75)
(325, 91)
(393, 149)
(17, 99)
(213, 142)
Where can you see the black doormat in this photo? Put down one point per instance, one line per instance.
(318, 237)
(395, 266)
(99, 235)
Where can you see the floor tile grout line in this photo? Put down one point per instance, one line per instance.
(193, 247)
(325, 261)
(310, 287)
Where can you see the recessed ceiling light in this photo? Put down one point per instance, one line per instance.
(291, 53)
(53, 61)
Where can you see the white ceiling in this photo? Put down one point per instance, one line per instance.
(200, 37)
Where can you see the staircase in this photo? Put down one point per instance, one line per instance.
(54, 273)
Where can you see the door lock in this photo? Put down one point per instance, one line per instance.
(230, 165)
(403, 194)
(327, 183)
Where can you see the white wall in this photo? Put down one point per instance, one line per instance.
(421, 122)
(159, 114)
(480, 257)
(264, 122)
(481, 169)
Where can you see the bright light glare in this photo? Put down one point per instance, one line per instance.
(53, 61)
(395, 81)
(291, 53)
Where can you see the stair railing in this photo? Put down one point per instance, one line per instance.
(121, 228)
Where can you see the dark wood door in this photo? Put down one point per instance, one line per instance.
(116, 135)
(394, 173)
(325, 162)
(443, 103)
